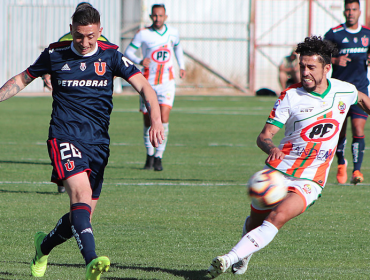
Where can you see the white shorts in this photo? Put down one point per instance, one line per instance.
(165, 94)
(308, 190)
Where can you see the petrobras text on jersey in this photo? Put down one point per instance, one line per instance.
(83, 83)
(353, 50)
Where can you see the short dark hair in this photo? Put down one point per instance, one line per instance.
(86, 15)
(315, 45)
(158, 6)
(351, 1)
(83, 4)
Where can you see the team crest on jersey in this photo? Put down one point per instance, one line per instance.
(161, 55)
(342, 107)
(307, 188)
(277, 103)
(321, 130)
(365, 41)
(83, 66)
(70, 165)
(100, 67)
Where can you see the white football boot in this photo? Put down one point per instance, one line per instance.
(218, 266)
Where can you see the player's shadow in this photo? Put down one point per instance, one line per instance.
(186, 274)
(24, 162)
(22, 192)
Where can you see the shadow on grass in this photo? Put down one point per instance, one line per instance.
(24, 162)
(186, 274)
(11, 191)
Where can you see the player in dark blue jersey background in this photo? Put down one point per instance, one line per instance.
(350, 65)
(82, 74)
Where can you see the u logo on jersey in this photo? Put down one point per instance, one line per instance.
(319, 131)
(161, 55)
(100, 68)
(365, 41)
(70, 165)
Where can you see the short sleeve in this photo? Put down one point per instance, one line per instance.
(280, 112)
(123, 67)
(136, 41)
(41, 66)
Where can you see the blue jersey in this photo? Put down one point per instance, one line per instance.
(355, 43)
(82, 89)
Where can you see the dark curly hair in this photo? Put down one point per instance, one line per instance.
(315, 45)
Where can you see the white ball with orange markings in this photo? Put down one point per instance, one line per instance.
(267, 188)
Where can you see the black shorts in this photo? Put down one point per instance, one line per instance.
(69, 158)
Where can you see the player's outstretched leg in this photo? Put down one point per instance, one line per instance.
(96, 267)
(40, 261)
(61, 189)
(241, 266)
(218, 266)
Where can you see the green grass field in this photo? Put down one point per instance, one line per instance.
(171, 224)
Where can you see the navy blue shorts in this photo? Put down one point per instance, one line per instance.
(355, 112)
(69, 158)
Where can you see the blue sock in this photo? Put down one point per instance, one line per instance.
(60, 234)
(358, 147)
(340, 150)
(82, 231)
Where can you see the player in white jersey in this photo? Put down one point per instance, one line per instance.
(159, 44)
(313, 113)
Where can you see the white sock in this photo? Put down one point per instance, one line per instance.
(253, 241)
(161, 147)
(148, 145)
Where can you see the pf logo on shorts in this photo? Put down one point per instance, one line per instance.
(321, 130)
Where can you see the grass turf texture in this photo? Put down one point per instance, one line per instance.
(171, 224)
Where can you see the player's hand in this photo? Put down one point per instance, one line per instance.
(182, 73)
(156, 133)
(274, 154)
(145, 62)
(342, 60)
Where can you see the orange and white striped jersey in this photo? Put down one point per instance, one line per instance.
(312, 126)
(160, 46)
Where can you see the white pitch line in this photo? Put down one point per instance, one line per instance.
(131, 184)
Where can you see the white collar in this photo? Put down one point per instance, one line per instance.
(84, 55)
(353, 31)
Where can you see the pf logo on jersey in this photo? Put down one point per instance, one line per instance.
(161, 55)
(321, 130)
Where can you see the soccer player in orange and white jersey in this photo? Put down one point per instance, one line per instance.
(159, 44)
(313, 113)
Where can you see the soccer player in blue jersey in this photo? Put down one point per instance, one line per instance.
(82, 74)
(46, 78)
(350, 65)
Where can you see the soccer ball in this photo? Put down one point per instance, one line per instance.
(266, 188)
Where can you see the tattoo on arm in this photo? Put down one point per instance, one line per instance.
(11, 87)
(147, 104)
(26, 78)
(266, 145)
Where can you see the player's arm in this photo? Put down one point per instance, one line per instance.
(364, 102)
(142, 86)
(264, 142)
(179, 52)
(15, 85)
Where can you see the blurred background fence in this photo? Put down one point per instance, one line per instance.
(234, 44)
